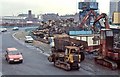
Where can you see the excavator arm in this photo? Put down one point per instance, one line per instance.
(103, 15)
(86, 17)
(96, 19)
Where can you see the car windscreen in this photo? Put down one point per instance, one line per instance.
(13, 53)
(29, 37)
(74, 51)
(109, 33)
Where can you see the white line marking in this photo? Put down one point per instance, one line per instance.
(0, 74)
(29, 46)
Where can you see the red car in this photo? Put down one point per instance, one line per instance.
(13, 55)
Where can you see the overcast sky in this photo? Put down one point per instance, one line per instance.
(14, 7)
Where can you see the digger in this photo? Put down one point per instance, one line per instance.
(66, 53)
(108, 55)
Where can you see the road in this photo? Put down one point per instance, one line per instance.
(0, 54)
(36, 63)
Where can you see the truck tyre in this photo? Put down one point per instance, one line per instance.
(77, 68)
(68, 68)
(82, 56)
(50, 59)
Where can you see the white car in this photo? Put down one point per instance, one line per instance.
(15, 28)
(28, 39)
(3, 29)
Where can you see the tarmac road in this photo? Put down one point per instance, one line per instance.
(36, 63)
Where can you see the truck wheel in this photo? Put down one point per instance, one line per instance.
(68, 68)
(82, 56)
(50, 59)
(56, 63)
(78, 67)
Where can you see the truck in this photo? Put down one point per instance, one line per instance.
(67, 52)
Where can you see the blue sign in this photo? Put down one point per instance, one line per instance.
(80, 32)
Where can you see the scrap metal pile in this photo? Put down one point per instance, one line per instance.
(51, 27)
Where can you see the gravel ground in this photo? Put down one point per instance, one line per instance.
(21, 35)
(44, 47)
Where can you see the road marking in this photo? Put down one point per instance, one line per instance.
(6, 32)
(46, 54)
(29, 46)
(0, 74)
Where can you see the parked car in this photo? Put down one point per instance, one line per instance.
(16, 28)
(3, 29)
(28, 39)
(13, 55)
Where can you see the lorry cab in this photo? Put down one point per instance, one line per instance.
(71, 50)
(73, 54)
(106, 41)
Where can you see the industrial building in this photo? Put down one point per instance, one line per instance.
(21, 19)
(12, 19)
(49, 16)
(73, 16)
(114, 7)
(119, 6)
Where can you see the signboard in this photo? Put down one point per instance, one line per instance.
(80, 32)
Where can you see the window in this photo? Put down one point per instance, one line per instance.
(13, 52)
(66, 51)
(109, 33)
(94, 42)
(102, 35)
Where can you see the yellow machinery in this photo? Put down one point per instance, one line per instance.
(66, 53)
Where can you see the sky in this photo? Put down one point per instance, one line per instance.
(62, 7)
